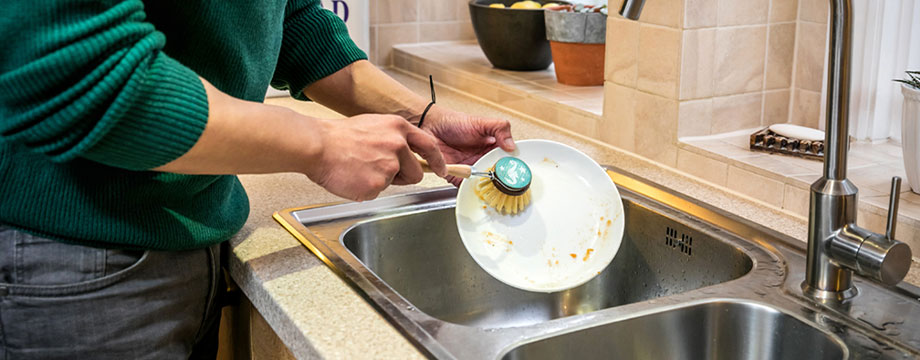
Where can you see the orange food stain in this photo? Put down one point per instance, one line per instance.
(598, 233)
(587, 254)
(485, 207)
(608, 222)
(557, 262)
(573, 256)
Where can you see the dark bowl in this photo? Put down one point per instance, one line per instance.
(512, 39)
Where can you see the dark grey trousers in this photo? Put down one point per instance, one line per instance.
(61, 301)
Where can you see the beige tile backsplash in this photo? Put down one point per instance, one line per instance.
(659, 60)
(619, 125)
(729, 64)
(780, 56)
(697, 63)
(814, 10)
(775, 107)
(661, 12)
(783, 10)
(656, 130)
(736, 112)
(701, 13)
(694, 118)
(743, 12)
(694, 68)
(412, 21)
(739, 59)
(756, 186)
(621, 57)
(811, 51)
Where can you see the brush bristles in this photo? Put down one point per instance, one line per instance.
(503, 203)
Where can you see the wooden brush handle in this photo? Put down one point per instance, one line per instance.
(458, 170)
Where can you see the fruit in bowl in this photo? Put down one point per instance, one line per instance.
(525, 5)
(513, 37)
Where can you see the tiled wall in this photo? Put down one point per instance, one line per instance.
(413, 21)
(699, 67)
(811, 51)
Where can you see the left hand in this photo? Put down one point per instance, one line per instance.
(464, 138)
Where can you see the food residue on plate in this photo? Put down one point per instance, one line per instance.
(573, 255)
(493, 239)
(587, 254)
(550, 161)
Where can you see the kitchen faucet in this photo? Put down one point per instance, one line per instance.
(836, 245)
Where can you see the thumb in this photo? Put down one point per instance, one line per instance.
(500, 129)
(424, 144)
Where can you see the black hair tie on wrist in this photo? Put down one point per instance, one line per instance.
(422, 119)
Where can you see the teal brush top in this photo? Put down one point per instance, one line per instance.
(93, 94)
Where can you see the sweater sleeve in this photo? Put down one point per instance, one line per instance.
(89, 79)
(314, 45)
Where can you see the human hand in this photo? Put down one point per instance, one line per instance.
(464, 138)
(362, 155)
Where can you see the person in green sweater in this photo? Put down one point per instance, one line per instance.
(122, 123)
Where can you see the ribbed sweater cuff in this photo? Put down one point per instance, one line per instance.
(315, 44)
(162, 121)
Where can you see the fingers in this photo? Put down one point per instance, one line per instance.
(425, 145)
(454, 180)
(410, 172)
(501, 130)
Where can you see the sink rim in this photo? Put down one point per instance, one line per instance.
(756, 255)
(439, 339)
(836, 340)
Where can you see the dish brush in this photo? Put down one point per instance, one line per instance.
(505, 187)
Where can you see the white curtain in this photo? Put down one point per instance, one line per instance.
(886, 42)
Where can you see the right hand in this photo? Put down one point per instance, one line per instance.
(362, 155)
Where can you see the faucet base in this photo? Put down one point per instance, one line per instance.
(828, 295)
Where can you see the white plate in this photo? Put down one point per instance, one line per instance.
(567, 235)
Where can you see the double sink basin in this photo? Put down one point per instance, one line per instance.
(689, 282)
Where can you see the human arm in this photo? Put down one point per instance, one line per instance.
(90, 81)
(355, 159)
(363, 88)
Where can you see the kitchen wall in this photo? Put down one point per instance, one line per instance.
(811, 59)
(413, 21)
(703, 67)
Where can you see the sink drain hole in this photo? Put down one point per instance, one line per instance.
(679, 241)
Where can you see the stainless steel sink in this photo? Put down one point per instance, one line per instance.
(421, 257)
(689, 281)
(716, 330)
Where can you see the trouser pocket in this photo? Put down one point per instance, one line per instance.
(61, 301)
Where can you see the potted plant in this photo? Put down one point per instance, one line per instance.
(577, 35)
(910, 128)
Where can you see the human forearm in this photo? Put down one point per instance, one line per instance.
(354, 159)
(362, 88)
(243, 137)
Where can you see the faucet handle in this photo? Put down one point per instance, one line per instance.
(893, 201)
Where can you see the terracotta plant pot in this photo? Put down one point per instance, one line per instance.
(577, 42)
(578, 64)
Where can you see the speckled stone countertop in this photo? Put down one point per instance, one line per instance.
(317, 315)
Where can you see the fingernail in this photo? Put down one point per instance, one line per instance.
(509, 143)
(490, 140)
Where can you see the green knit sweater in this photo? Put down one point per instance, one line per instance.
(93, 94)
